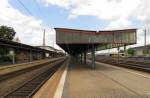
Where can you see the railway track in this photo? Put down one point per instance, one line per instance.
(29, 88)
(22, 71)
(133, 65)
(141, 67)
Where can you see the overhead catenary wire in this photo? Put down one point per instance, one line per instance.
(27, 10)
(22, 4)
(38, 7)
(42, 13)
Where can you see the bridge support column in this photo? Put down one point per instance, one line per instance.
(76, 57)
(81, 58)
(125, 50)
(93, 57)
(118, 54)
(84, 57)
(30, 58)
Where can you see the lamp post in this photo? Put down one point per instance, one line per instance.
(145, 37)
(12, 53)
(145, 47)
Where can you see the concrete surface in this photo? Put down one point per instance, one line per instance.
(105, 81)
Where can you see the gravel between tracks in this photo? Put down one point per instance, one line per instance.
(12, 83)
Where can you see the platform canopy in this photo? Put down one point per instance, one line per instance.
(75, 41)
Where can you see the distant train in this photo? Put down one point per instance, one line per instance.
(113, 55)
(116, 55)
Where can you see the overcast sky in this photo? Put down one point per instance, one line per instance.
(30, 17)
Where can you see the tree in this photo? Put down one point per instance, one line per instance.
(130, 51)
(7, 32)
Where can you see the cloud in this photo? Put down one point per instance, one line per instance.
(119, 24)
(103, 9)
(118, 13)
(28, 28)
(61, 3)
(25, 26)
(143, 11)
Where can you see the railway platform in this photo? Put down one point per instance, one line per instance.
(76, 80)
(15, 67)
(105, 81)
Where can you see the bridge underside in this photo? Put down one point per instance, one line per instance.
(75, 49)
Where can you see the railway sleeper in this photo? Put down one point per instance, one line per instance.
(29, 88)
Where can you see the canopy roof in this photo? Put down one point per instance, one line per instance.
(76, 41)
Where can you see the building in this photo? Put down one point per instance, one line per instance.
(19, 52)
(55, 52)
(142, 51)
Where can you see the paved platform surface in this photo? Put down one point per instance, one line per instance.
(105, 81)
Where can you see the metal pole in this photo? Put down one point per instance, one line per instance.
(125, 50)
(81, 58)
(145, 37)
(76, 58)
(93, 57)
(30, 55)
(84, 57)
(13, 57)
(145, 42)
(118, 54)
(44, 38)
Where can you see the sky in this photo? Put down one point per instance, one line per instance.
(30, 17)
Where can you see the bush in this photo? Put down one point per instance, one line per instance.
(130, 51)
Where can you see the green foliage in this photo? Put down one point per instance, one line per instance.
(7, 33)
(145, 51)
(130, 51)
